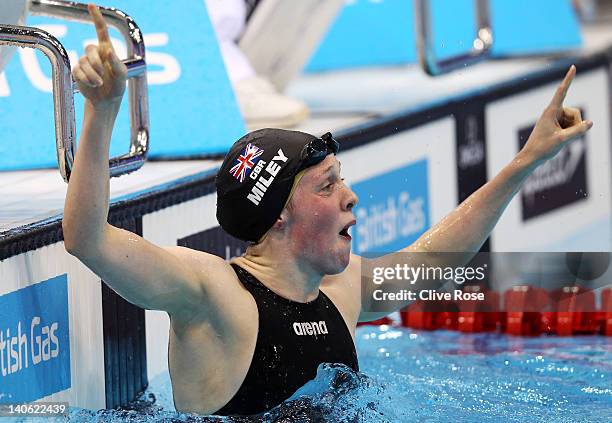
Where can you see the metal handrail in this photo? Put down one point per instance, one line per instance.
(481, 46)
(63, 86)
(63, 97)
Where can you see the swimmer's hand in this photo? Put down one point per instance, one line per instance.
(100, 75)
(556, 127)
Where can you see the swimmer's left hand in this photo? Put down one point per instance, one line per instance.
(556, 127)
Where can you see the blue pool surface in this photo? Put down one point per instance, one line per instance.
(440, 376)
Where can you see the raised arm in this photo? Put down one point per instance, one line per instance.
(465, 229)
(144, 274)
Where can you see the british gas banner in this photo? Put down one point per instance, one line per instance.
(393, 209)
(191, 104)
(34, 341)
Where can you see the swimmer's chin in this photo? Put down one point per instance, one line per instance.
(339, 268)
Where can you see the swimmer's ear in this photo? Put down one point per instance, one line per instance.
(281, 221)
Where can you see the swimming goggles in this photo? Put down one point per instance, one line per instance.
(317, 149)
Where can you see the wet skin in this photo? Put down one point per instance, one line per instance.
(306, 236)
(213, 318)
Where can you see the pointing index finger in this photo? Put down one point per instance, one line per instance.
(101, 27)
(561, 92)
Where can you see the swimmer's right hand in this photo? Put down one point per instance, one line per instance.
(100, 75)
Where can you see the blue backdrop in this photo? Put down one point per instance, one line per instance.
(381, 32)
(192, 105)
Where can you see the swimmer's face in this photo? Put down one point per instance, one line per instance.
(318, 216)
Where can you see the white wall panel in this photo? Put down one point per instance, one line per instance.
(85, 317)
(580, 226)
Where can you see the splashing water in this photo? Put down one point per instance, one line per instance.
(431, 376)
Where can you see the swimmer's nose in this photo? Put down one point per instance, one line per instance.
(351, 200)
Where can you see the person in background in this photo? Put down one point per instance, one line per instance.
(585, 9)
(260, 103)
(13, 13)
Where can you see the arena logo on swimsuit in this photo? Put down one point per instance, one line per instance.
(34, 341)
(310, 328)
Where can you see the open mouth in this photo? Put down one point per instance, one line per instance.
(344, 232)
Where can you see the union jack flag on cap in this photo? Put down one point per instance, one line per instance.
(246, 161)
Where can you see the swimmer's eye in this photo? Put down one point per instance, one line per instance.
(330, 185)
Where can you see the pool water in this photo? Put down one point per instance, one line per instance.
(440, 376)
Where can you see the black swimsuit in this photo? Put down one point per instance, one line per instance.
(293, 339)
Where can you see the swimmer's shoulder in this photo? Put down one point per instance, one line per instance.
(221, 288)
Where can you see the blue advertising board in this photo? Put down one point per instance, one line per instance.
(368, 33)
(34, 341)
(382, 32)
(191, 103)
(393, 209)
(532, 27)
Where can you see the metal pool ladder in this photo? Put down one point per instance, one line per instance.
(481, 45)
(64, 88)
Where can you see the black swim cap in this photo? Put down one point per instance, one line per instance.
(257, 175)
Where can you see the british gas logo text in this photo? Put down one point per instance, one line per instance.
(34, 341)
(394, 217)
(19, 351)
(393, 210)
